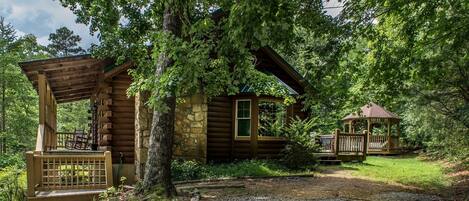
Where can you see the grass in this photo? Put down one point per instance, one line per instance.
(189, 170)
(251, 168)
(407, 170)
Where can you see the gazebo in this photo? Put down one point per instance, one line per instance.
(383, 127)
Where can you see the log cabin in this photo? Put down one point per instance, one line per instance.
(217, 129)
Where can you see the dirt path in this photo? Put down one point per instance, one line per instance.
(330, 185)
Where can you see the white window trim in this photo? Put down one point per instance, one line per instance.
(236, 119)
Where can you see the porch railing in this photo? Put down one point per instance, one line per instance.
(62, 171)
(381, 143)
(350, 143)
(377, 142)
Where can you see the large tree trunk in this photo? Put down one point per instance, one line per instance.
(158, 165)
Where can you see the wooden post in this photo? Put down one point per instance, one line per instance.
(336, 147)
(398, 133)
(368, 132)
(365, 144)
(350, 128)
(108, 167)
(389, 135)
(254, 125)
(40, 138)
(30, 174)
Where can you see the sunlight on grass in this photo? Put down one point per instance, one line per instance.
(406, 170)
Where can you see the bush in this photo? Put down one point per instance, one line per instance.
(187, 170)
(12, 184)
(9, 160)
(301, 146)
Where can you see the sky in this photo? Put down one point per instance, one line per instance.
(42, 17)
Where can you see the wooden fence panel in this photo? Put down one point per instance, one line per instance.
(59, 171)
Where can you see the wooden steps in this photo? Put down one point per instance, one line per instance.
(329, 160)
(67, 195)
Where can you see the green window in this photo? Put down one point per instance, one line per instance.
(243, 118)
(272, 118)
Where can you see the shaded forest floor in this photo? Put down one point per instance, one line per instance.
(330, 185)
(334, 183)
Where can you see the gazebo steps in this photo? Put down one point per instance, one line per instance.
(67, 195)
(330, 162)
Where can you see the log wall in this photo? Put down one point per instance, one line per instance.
(123, 115)
(221, 143)
(219, 126)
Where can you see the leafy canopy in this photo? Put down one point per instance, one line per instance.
(214, 53)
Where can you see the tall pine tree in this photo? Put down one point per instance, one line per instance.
(64, 43)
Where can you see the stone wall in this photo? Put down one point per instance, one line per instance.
(190, 140)
(143, 117)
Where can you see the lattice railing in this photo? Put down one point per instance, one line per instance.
(59, 171)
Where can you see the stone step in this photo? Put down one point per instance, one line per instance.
(66, 195)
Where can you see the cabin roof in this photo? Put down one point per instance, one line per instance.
(371, 110)
(74, 78)
(71, 78)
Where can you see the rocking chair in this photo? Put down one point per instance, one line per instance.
(80, 141)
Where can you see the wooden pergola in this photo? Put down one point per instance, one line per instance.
(375, 115)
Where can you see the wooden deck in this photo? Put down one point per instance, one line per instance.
(355, 146)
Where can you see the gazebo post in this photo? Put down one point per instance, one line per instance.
(398, 132)
(389, 135)
(350, 128)
(368, 121)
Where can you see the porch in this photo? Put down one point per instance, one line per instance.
(66, 165)
(342, 146)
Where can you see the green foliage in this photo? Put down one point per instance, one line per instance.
(117, 193)
(301, 145)
(406, 170)
(18, 99)
(440, 136)
(189, 170)
(9, 160)
(12, 184)
(73, 115)
(412, 58)
(214, 53)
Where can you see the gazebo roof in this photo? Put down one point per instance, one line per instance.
(371, 110)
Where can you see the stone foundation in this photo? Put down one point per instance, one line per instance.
(190, 139)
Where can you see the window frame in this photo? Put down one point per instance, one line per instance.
(248, 137)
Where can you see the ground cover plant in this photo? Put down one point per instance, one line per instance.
(191, 170)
